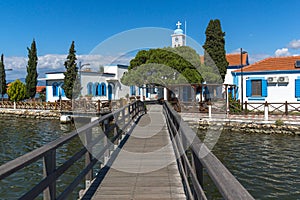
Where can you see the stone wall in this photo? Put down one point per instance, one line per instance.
(34, 114)
(248, 127)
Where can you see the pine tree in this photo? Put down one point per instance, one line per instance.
(214, 47)
(2, 77)
(71, 81)
(31, 78)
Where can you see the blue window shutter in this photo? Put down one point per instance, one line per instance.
(297, 87)
(264, 88)
(248, 88)
(104, 89)
(54, 89)
(99, 89)
(94, 89)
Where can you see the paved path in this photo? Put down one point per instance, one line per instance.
(146, 166)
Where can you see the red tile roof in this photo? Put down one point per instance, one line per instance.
(40, 88)
(233, 59)
(272, 64)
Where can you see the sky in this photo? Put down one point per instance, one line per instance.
(263, 28)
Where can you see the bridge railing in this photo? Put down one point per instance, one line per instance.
(193, 156)
(122, 120)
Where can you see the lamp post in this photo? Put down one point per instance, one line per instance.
(80, 67)
(242, 79)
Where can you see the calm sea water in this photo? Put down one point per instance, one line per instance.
(268, 166)
(19, 136)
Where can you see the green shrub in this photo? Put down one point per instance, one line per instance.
(279, 122)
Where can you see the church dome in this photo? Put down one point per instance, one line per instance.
(178, 31)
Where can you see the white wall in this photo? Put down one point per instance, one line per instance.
(276, 93)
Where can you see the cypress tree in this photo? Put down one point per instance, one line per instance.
(31, 78)
(2, 77)
(71, 80)
(214, 46)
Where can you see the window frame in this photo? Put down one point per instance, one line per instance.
(249, 89)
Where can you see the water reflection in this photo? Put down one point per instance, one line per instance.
(19, 136)
(267, 165)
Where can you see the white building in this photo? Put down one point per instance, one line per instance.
(106, 85)
(96, 85)
(54, 83)
(273, 80)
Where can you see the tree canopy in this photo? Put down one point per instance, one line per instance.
(17, 91)
(71, 80)
(180, 65)
(31, 78)
(172, 65)
(214, 46)
(2, 77)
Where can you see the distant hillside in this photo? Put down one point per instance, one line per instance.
(40, 83)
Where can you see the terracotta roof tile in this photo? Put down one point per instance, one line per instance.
(40, 88)
(235, 59)
(232, 59)
(272, 64)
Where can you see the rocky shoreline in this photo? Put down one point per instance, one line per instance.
(33, 114)
(247, 127)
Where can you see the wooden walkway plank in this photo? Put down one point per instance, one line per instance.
(146, 166)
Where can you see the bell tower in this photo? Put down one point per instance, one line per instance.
(178, 38)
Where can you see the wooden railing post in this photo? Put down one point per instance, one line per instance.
(98, 106)
(88, 158)
(286, 108)
(246, 107)
(105, 139)
(198, 167)
(266, 111)
(49, 168)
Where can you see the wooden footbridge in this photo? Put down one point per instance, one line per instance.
(144, 154)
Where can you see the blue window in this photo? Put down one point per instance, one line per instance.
(297, 88)
(102, 89)
(55, 89)
(90, 88)
(256, 89)
(96, 89)
(99, 90)
(132, 90)
(61, 91)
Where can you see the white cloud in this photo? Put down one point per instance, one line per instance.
(55, 62)
(294, 44)
(282, 52)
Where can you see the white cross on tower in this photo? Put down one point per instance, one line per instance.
(178, 24)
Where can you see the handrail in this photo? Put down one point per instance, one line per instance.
(48, 152)
(181, 135)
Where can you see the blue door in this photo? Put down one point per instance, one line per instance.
(109, 92)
